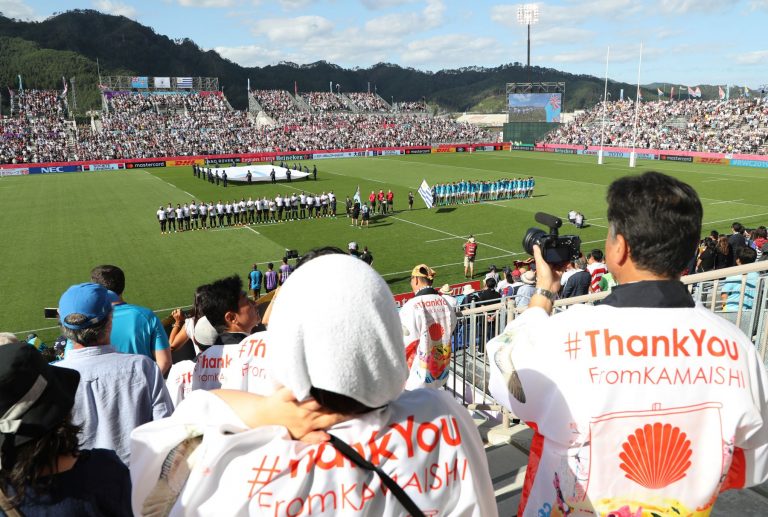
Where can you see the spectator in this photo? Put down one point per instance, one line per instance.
(736, 240)
(466, 295)
(352, 247)
(579, 280)
(44, 470)
(723, 253)
(488, 295)
(731, 294)
(230, 361)
(135, 329)
(761, 240)
(118, 391)
(428, 322)
(445, 292)
(596, 269)
(542, 367)
(7, 338)
(358, 376)
(706, 260)
(524, 293)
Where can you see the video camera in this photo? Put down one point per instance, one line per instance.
(555, 248)
(291, 254)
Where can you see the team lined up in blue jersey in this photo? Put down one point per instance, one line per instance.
(462, 192)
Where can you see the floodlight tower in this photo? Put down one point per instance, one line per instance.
(528, 14)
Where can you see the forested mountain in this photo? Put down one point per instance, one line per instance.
(70, 43)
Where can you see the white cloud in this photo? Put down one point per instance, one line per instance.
(294, 4)
(757, 5)
(623, 54)
(691, 6)
(383, 4)
(450, 50)
(116, 8)
(206, 3)
(407, 23)
(252, 55)
(17, 9)
(560, 35)
(293, 30)
(756, 57)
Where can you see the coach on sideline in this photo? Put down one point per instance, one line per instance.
(647, 402)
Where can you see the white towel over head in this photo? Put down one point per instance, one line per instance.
(335, 326)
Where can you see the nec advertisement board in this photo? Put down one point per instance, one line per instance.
(55, 169)
(144, 165)
(535, 107)
(139, 82)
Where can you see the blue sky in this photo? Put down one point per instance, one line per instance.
(686, 41)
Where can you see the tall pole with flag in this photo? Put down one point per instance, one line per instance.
(633, 155)
(426, 194)
(605, 102)
(21, 85)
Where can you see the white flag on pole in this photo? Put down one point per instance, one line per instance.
(356, 197)
(426, 194)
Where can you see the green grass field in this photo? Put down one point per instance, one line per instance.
(57, 227)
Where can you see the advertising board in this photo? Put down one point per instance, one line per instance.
(52, 169)
(675, 158)
(103, 166)
(144, 165)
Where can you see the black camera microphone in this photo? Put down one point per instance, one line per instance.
(550, 220)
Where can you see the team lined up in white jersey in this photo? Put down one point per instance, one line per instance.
(200, 216)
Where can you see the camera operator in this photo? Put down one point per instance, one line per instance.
(646, 378)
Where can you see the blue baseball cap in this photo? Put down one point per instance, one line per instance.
(91, 300)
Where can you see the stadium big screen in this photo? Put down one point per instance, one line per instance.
(535, 107)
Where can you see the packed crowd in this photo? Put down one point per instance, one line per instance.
(37, 132)
(275, 101)
(368, 101)
(411, 106)
(324, 101)
(146, 126)
(465, 191)
(733, 126)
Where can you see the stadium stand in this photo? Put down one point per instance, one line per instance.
(368, 101)
(733, 126)
(37, 130)
(324, 101)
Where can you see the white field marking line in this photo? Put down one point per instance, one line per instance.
(449, 238)
(715, 179)
(236, 228)
(727, 201)
(451, 234)
(736, 218)
(377, 181)
(171, 184)
(735, 201)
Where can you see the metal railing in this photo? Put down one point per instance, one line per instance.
(745, 304)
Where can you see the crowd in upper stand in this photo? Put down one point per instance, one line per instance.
(275, 101)
(324, 101)
(145, 126)
(367, 101)
(733, 126)
(37, 133)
